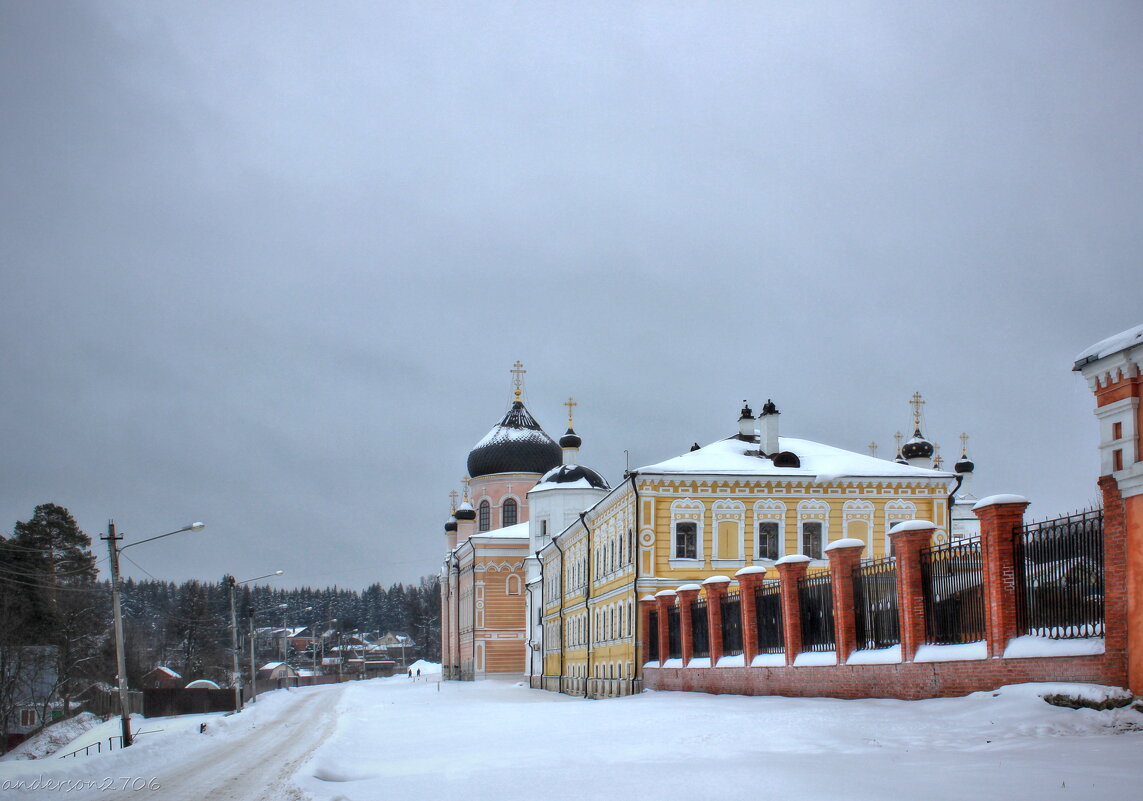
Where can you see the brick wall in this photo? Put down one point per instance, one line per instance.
(1001, 520)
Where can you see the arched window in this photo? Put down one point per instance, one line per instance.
(484, 516)
(508, 512)
(512, 585)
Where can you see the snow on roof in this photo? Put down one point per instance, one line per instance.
(271, 665)
(515, 532)
(168, 671)
(820, 462)
(1113, 344)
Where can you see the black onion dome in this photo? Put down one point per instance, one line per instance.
(917, 447)
(964, 465)
(571, 473)
(570, 440)
(450, 524)
(516, 444)
(900, 459)
(465, 512)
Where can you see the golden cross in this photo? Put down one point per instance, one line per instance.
(464, 480)
(873, 449)
(917, 403)
(570, 404)
(452, 494)
(517, 372)
(898, 436)
(964, 446)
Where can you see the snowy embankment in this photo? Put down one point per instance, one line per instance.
(396, 738)
(498, 741)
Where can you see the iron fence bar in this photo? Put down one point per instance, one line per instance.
(815, 596)
(952, 582)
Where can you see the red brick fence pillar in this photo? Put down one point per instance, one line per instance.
(908, 539)
(791, 569)
(749, 580)
(665, 599)
(844, 556)
(715, 587)
(1001, 517)
(646, 607)
(687, 595)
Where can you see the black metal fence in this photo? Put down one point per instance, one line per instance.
(875, 604)
(731, 624)
(952, 581)
(700, 629)
(651, 638)
(815, 594)
(768, 614)
(674, 634)
(1059, 577)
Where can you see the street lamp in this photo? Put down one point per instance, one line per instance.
(253, 665)
(235, 673)
(120, 658)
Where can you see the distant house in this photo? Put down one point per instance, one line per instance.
(161, 677)
(276, 670)
(28, 674)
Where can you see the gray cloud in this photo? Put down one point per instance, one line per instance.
(268, 265)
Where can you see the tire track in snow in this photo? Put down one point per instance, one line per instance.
(257, 767)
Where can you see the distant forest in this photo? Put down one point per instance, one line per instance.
(50, 596)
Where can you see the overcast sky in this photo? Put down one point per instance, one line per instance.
(267, 265)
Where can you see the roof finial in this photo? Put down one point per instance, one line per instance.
(898, 436)
(452, 495)
(465, 480)
(937, 460)
(570, 404)
(873, 449)
(517, 372)
(917, 402)
(964, 445)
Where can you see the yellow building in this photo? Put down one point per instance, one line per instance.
(747, 500)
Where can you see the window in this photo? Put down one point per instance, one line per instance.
(812, 539)
(543, 528)
(508, 513)
(512, 585)
(27, 717)
(686, 540)
(484, 517)
(768, 540)
(1117, 459)
(1117, 430)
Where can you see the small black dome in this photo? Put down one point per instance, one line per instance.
(516, 444)
(465, 512)
(450, 524)
(964, 465)
(900, 459)
(570, 440)
(694, 447)
(917, 447)
(571, 473)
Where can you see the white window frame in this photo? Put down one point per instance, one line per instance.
(687, 510)
(728, 511)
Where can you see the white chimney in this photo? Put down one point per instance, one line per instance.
(768, 429)
(746, 423)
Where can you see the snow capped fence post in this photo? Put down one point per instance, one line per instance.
(844, 556)
(687, 595)
(1001, 517)
(715, 591)
(749, 580)
(791, 569)
(908, 538)
(1122, 622)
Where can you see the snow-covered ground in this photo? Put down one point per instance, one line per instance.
(395, 738)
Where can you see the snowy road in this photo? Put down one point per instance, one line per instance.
(248, 757)
(256, 767)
